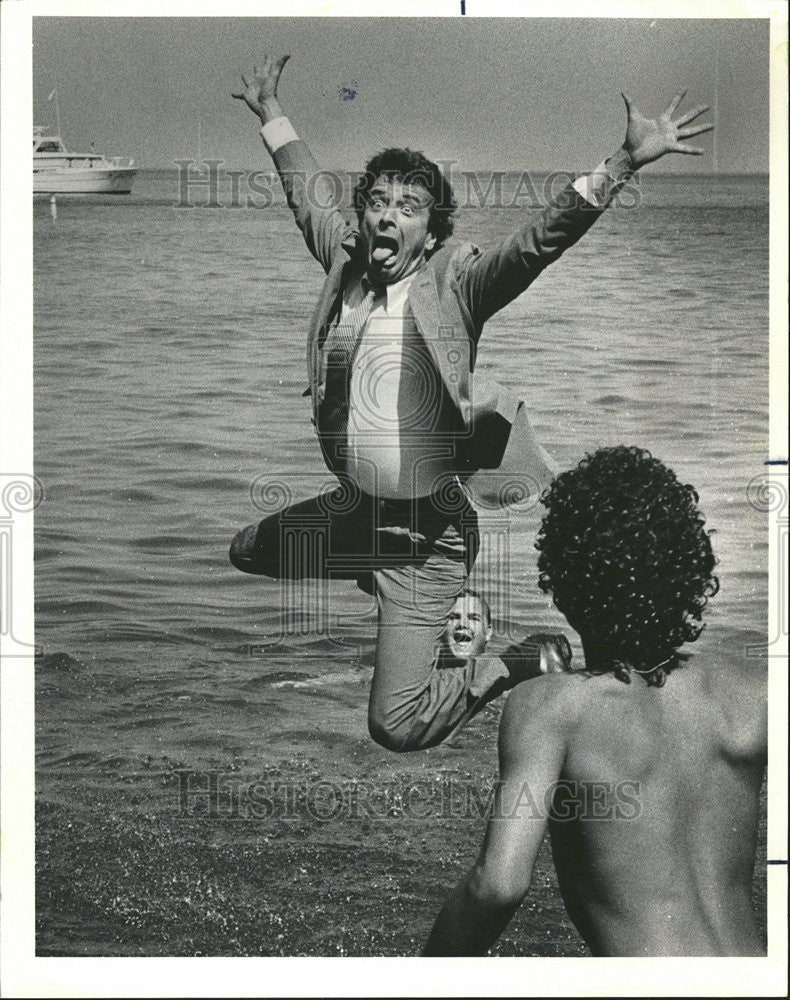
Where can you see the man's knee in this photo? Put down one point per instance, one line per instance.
(398, 739)
(385, 737)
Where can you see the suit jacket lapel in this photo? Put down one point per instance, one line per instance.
(449, 355)
(325, 309)
(450, 352)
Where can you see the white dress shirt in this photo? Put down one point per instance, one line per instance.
(399, 419)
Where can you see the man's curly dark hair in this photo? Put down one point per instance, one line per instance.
(413, 167)
(624, 550)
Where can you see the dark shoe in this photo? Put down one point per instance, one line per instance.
(242, 548)
(555, 655)
(538, 654)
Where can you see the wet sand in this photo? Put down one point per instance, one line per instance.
(147, 871)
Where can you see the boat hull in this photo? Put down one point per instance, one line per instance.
(89, 180)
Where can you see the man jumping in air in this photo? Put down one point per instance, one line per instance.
(400, 420)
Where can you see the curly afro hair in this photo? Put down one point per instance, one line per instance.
(624, 551)
(411, 166)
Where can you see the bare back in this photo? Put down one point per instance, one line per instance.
(657, 858)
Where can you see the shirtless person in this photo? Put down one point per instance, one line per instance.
(650, 763)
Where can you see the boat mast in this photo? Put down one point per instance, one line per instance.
(54, 93)
(716, 117)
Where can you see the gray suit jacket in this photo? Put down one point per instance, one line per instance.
(459, 288)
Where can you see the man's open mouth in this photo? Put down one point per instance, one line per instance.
(384, 249)
(462, 636)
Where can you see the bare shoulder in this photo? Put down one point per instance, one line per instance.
(738, 686)
(537, 723)
(738, 675)
(551, 701)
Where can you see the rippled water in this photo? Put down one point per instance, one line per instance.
(169, 361)
(169, 365)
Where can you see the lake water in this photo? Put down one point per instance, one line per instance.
(169, 366)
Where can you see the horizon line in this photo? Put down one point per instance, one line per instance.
(506, 170)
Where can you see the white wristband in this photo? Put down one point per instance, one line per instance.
(278, 132)
(591, 186)
(601, 186)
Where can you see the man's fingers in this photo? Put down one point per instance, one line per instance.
(256, 71)
(282, 61)
(686, 133)
(675, 102)
(244, 80)
(239, 97)
(691, 115)
(681, 147)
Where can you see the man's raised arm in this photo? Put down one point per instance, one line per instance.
(310, 194)
(499, 275)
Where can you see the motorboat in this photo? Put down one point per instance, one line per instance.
(57, 171)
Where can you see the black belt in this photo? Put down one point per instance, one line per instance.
(450, 500)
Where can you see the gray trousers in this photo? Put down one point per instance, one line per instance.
(415, 556)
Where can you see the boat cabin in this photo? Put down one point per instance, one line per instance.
(48, 144)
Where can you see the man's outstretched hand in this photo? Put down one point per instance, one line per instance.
(647, 139)
(260, 90)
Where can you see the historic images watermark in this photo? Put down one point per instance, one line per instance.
(218, 795)
(306, 600)
(344, 533)
(20, 494)
(215, 184)
(308, 564)
(768, 493)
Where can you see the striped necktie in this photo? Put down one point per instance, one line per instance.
(340, 349)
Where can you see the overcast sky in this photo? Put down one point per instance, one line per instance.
(500, 93)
